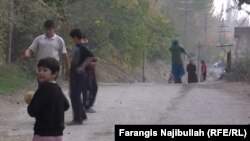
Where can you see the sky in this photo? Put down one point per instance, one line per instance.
(234, 16)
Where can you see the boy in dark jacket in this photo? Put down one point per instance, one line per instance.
(81, 58)
(91, 82)
(48, 103)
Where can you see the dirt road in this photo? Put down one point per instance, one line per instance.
(150, 103)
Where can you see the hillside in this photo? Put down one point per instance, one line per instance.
(154, 72)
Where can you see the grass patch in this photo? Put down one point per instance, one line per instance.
(13, 78)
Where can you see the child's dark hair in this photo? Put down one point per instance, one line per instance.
(77, 33)
(49, 24)
(202, 61)
(50, 63)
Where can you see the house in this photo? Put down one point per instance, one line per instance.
(241, 42)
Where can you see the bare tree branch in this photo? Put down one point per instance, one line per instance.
(237, 6)
(244, 20)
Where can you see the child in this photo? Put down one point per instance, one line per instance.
(191, 69)
(48, 103)
(90, 77)
(81, 58)
(203, 70)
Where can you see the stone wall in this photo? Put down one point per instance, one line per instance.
(242, 42)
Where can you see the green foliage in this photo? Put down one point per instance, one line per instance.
(54, 2)
(3, 29)
(12, 78)
(123, 27)
(130, 26)
(28, 23)
(240, 69)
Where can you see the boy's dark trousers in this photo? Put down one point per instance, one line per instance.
(78, 88)
(92, 89)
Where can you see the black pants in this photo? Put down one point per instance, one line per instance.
(204, 76)
(77, 89)
(92, 89)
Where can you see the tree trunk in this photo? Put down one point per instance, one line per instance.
(10, 14)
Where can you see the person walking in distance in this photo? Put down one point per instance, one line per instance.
(203, 70)
(81, 58)
(176, 59)
(49, 44)
(191, 69)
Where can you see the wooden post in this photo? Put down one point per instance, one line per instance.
(143, 65)
(229, 61)
(198, 65)
(10, 14)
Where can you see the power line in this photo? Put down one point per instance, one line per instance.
(206, 27)
(222, 32)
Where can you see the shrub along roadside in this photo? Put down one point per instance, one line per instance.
(240, 70)
(13, 78)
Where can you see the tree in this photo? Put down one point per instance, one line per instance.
(10, 32)
(125, 26)
(3, 30)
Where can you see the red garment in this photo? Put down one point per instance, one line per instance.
(203, 69)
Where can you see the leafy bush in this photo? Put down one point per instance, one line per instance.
(241, 69)
(130, 26)
(12, 78)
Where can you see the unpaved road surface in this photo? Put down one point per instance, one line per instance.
(148, 103)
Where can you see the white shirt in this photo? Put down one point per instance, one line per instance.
(48, 47)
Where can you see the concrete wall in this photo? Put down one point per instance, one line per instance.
(242, 42)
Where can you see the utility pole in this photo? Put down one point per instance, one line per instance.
(206, 26)
(223, 45)
(10, 14)
(143, 65)
(206, 23)
(186, 10)
(222, 32)
(198, 65)
(222, 35)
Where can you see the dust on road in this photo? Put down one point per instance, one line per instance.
(147, 103)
